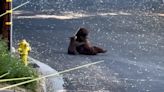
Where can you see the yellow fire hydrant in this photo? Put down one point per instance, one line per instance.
(24, 49)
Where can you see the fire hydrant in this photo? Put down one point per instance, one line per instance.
(24, 49)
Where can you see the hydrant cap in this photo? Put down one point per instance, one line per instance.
(24, 41)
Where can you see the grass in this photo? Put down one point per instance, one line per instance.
(16, 68)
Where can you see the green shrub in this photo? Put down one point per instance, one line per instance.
(3, 49)
(16, 68)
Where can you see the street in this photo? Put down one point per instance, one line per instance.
(134, 40)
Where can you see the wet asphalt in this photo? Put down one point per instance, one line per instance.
(134, 61)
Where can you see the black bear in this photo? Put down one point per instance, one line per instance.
(80, 44)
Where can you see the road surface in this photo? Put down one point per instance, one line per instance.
(134, 40)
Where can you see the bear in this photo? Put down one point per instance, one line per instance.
(80, 44)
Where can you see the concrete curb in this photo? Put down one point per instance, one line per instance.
(52, 84)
